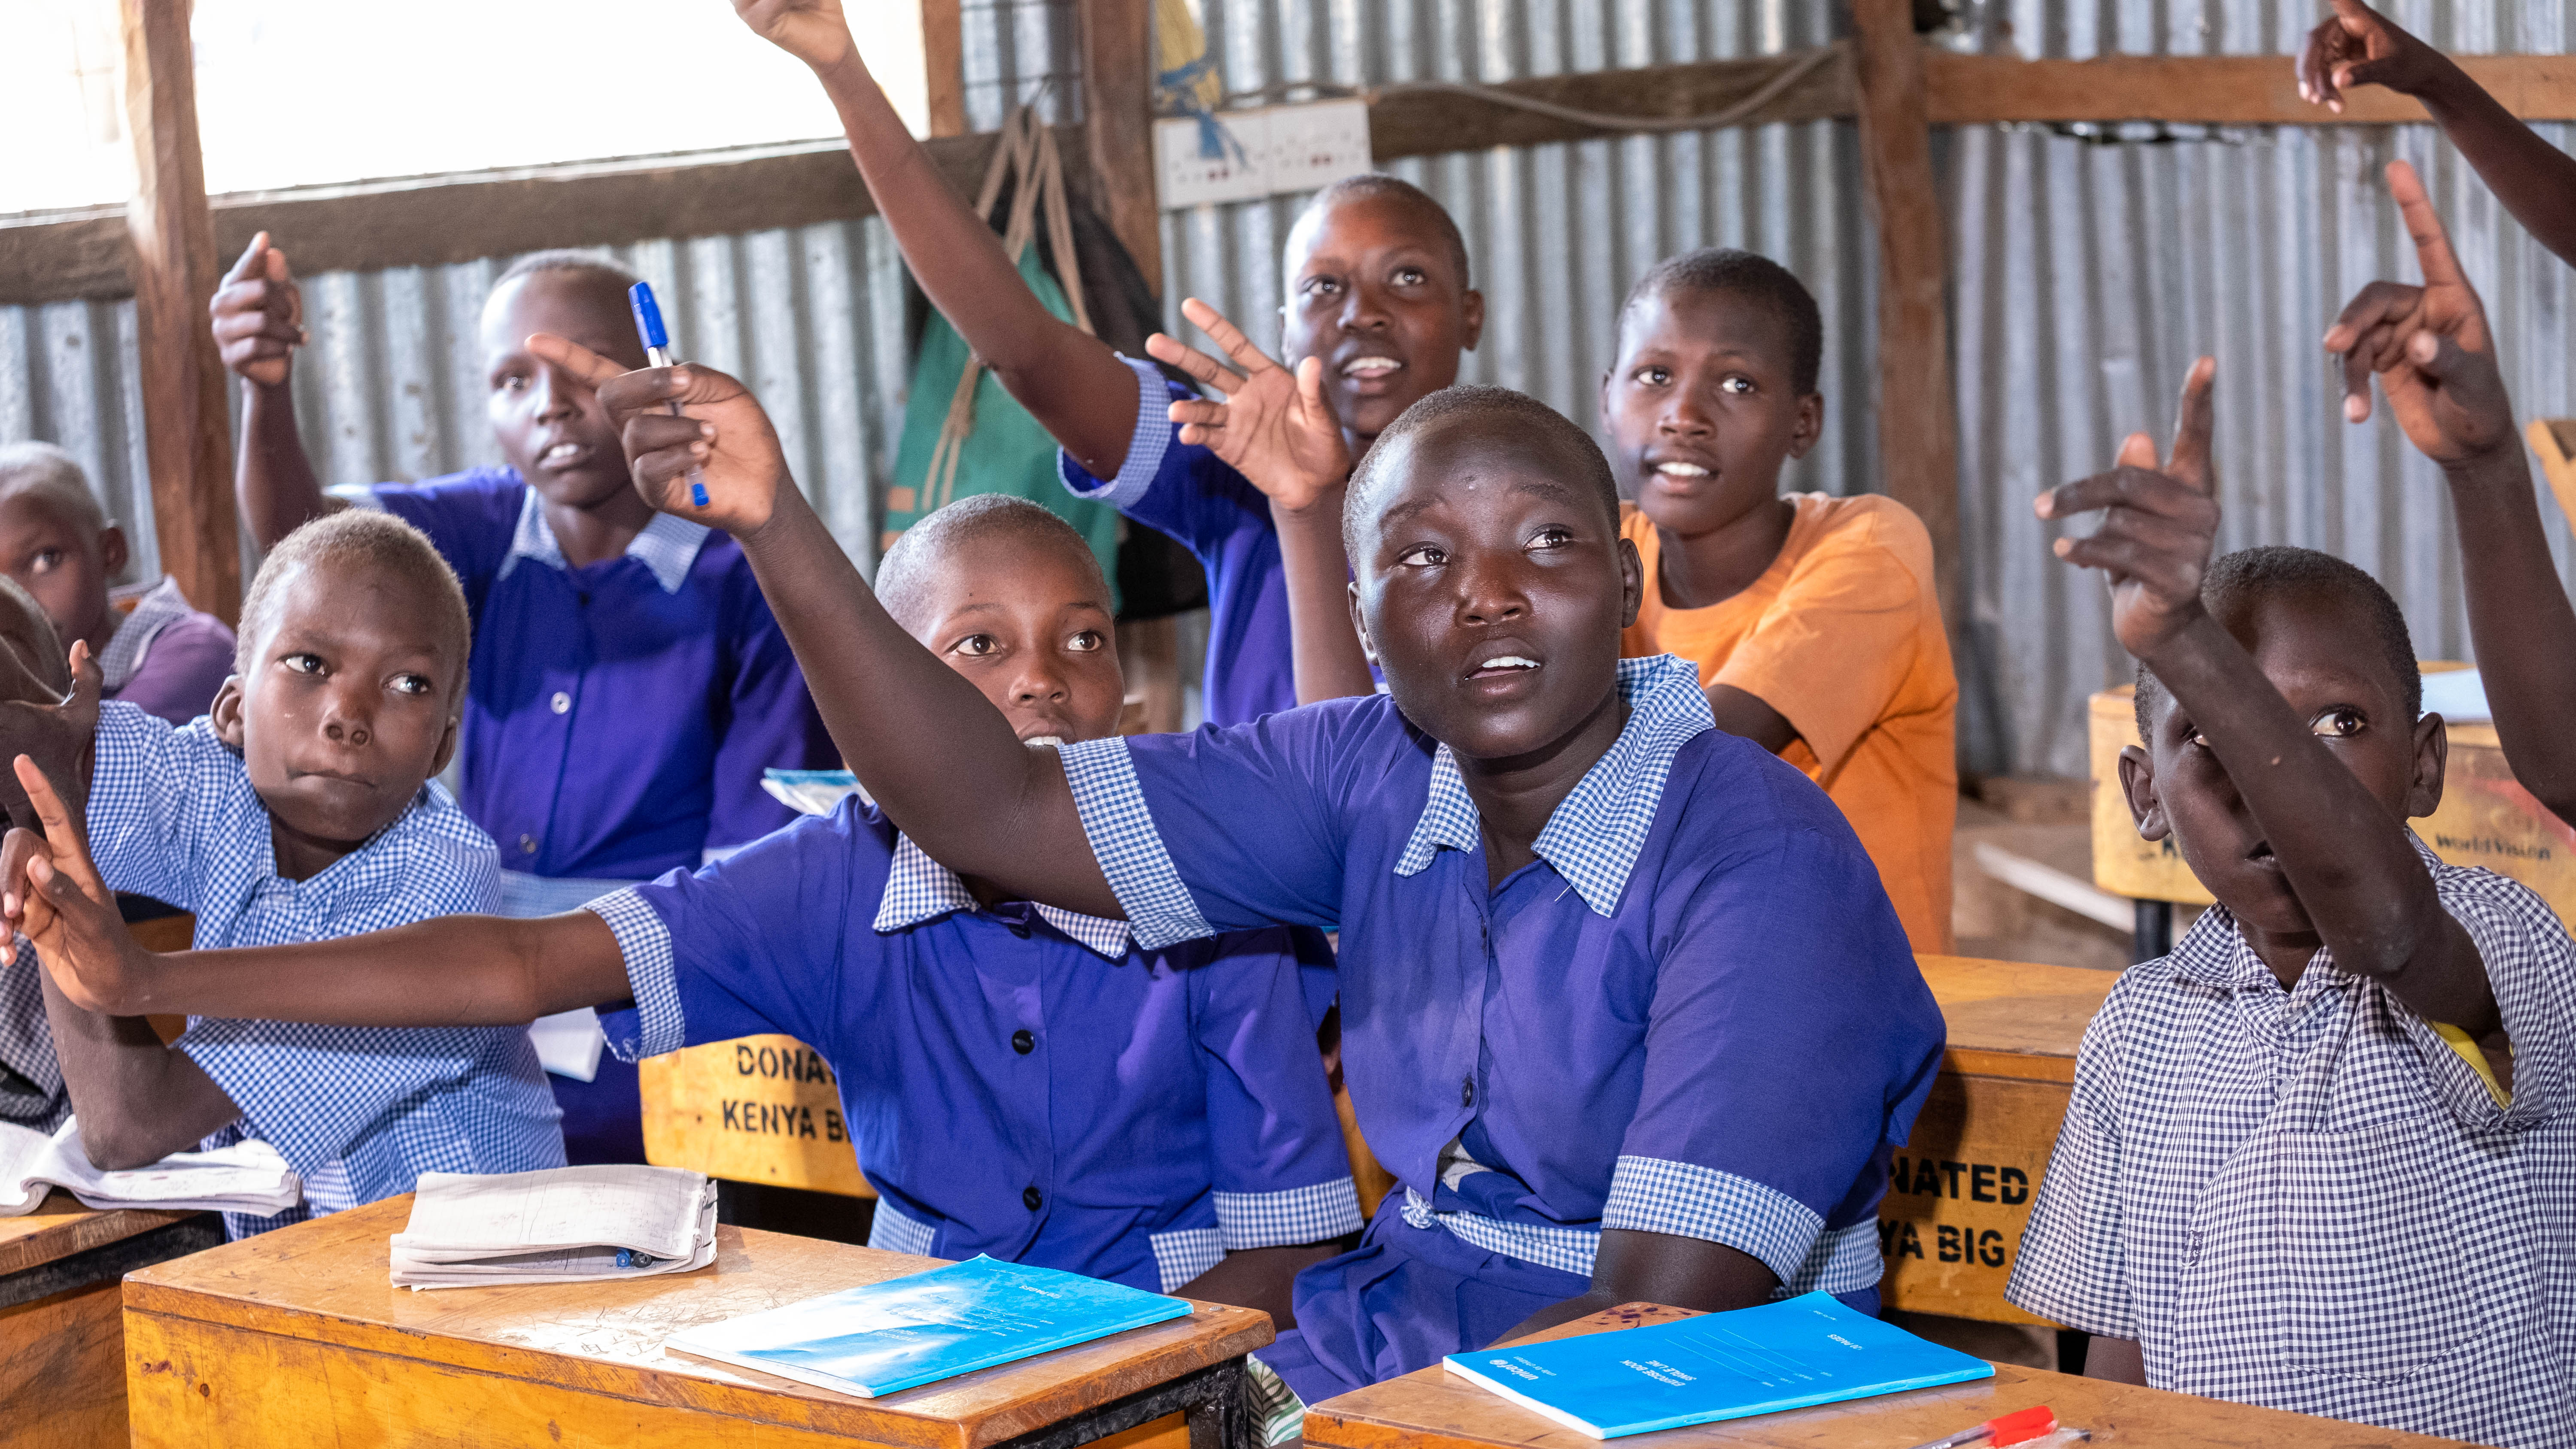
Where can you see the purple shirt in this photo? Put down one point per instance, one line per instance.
(619, 715)
(1191, 494)
(1019, 1081)
(167, 658)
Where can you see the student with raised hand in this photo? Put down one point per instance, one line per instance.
(1378, 298)
(2534, 179)
(2319, 1157)
(1625, 1008)
(2436, 360)
(629, 683)
(301, 808)
(34, 670)
(1018, 1080)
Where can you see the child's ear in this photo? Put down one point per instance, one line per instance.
(113, 551)
(1632, 583)
(1471, 319)
(2138, 782)
(1359, 625)
(2432, 763)
(1810, 425)
(226, 713)
(447, 744)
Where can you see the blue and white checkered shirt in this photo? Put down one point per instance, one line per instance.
(359, 1112)
(2304, 1199)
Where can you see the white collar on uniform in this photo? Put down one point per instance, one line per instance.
(668, 545)
(920, 889)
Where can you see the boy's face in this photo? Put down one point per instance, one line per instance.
(55, 557)
(1030, 624)
(1492, 588)
(1702, 408)
(348, 705)
(549, 424)
(2316, 649)
(1374, 292)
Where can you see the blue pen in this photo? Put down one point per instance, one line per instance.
(657, 351)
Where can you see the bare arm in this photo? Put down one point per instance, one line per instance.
(1324, 652)
(1740, 712)
(137, 1100)
(1634, 1266)
(2534, 179)
(1070, 381)
(2116, 1360)
(1260, 1278)
(258, 323)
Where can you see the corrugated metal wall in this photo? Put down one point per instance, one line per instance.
(2089, 272)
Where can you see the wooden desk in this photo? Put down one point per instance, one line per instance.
(62, 1356)
(1435, 1409)
(1960, 1193)
(295, 1338)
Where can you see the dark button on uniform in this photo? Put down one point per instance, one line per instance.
(1020, 929)
(1032, 1197)
(1023, 1043)
(1467, 1092)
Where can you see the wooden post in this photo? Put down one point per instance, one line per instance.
(1918, 422)
(1118, 112)
(943, 65)
(186, 430)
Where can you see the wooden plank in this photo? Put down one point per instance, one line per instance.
(62, 1371)
(1435, 1409)
(1917, 412)
(2014, 1018)
(1118, 111)
(229, 1341)
(61, 1227)
(755, 1109)
(438, 220)
(1431, 123)
(2215, 90)
(187, 433)
(943, 65)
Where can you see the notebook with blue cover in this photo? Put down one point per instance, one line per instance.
(886, 1336)
(1784, 1355)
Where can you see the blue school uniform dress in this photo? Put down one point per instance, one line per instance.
(1018, 1080)
(358, 1112)
(617, 722)
(1191, 494)
(2304, 1198)
(1695, 1013)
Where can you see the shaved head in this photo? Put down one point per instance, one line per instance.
(923, 551)
(1489, 416)
(43, 471)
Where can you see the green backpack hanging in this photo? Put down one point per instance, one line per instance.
(962, 434)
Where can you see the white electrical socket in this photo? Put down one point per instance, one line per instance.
(1274, 149)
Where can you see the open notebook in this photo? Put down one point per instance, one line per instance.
(558, 1225)
(247, 1177)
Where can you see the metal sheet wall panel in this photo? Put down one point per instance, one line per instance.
(67, 376)
(2089, 272)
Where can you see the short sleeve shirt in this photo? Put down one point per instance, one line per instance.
(2305, 1199)
(359, 1112)
(619, 715)
(1843, 636)
(1018, 1081)
(1695, 1013)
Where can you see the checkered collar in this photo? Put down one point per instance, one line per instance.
(160, 605)
(920, 889)
(2214, 952)
(668, 545)
(1598, 829)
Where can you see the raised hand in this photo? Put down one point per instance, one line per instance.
(724, 433)
(1272, 426)
(51, 892)
(813, 31)
(2358, 46)
(60, 733)
(2430, 345)
(259, 315)
(2158, 525)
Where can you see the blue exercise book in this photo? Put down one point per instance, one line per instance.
(934, 1325)
(1785, 1355)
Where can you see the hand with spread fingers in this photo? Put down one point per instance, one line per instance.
(1269, 424)
(724, 433)
(2430, 345)
(2159, 525)
(259, 315)
(51, 893)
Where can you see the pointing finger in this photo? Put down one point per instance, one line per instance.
(2190, 458)
(2432, 243)
(251, 267)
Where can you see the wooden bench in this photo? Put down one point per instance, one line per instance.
(62, 1350)
(1435, 1409)
(296, 1338)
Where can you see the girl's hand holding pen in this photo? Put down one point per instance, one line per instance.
(723, 434)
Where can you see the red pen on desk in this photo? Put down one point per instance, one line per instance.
(2014, 1428)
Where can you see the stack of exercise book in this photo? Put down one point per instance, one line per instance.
(560, 1225)
(246, 1177)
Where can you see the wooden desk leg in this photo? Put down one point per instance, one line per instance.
(1212, 1399)
(2153, 934)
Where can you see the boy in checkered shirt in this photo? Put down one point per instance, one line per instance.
(299, 809)
(2319, 1157)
